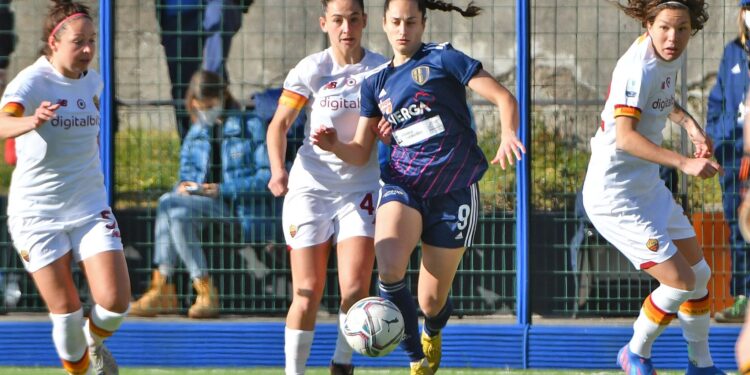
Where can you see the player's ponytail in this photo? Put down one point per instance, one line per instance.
(470, 11)
(647, 10)
(59, 14)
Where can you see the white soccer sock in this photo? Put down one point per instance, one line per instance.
(69, 340)
(695, 318)
(101, 324)
(343, 352)
(658, 310)
(297, 345)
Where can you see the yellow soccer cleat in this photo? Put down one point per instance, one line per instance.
(433, 349)
(421, 368)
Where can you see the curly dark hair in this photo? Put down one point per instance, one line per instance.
(647, 10)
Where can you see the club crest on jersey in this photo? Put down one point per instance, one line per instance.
(420, 74)
(25, 255)
(292, 230)
(652, 244)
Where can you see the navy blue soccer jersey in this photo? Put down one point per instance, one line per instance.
(434, 149)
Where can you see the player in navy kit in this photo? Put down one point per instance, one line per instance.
(430, 183)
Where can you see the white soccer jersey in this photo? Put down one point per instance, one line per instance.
(58, 173)
(642, 87)
(332, 97)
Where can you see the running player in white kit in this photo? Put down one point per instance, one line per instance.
(57, 210)
(328, 202)
(627, 201)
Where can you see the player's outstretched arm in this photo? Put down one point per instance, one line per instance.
(12, 126)
(357, 152)
(511, 147)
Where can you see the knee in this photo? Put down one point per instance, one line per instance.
(430, 305)
(116, 302)
(121, 307)
(389, 274)
(307, 298)
(166, 200)
(684, 281)
(353, 293)
(169, 203)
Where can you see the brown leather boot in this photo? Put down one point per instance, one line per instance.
(161, 298)
(207, 302)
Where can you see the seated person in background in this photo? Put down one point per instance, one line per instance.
(223, 163)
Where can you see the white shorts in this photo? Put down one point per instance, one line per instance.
(40, 241)
(311, 217)
(642, 227)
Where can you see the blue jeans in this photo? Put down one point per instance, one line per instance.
(729, 155)
(179, 222)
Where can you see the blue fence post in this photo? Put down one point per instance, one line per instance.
(523, 86)
(106, 67)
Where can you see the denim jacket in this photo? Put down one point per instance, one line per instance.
(724, 122)
(245, 169)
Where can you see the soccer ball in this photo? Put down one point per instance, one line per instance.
(373, 327)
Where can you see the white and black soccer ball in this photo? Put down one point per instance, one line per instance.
(373, 327)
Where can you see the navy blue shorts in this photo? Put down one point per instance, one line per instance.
(448, 220)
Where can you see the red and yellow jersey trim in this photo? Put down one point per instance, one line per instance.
(655, 314)
(15, 109)
(292, 100)
(694, 307)
(624, 110)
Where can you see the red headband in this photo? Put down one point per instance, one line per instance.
(66, 19)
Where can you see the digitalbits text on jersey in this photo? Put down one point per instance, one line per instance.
(67, 122)
(336, 102)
